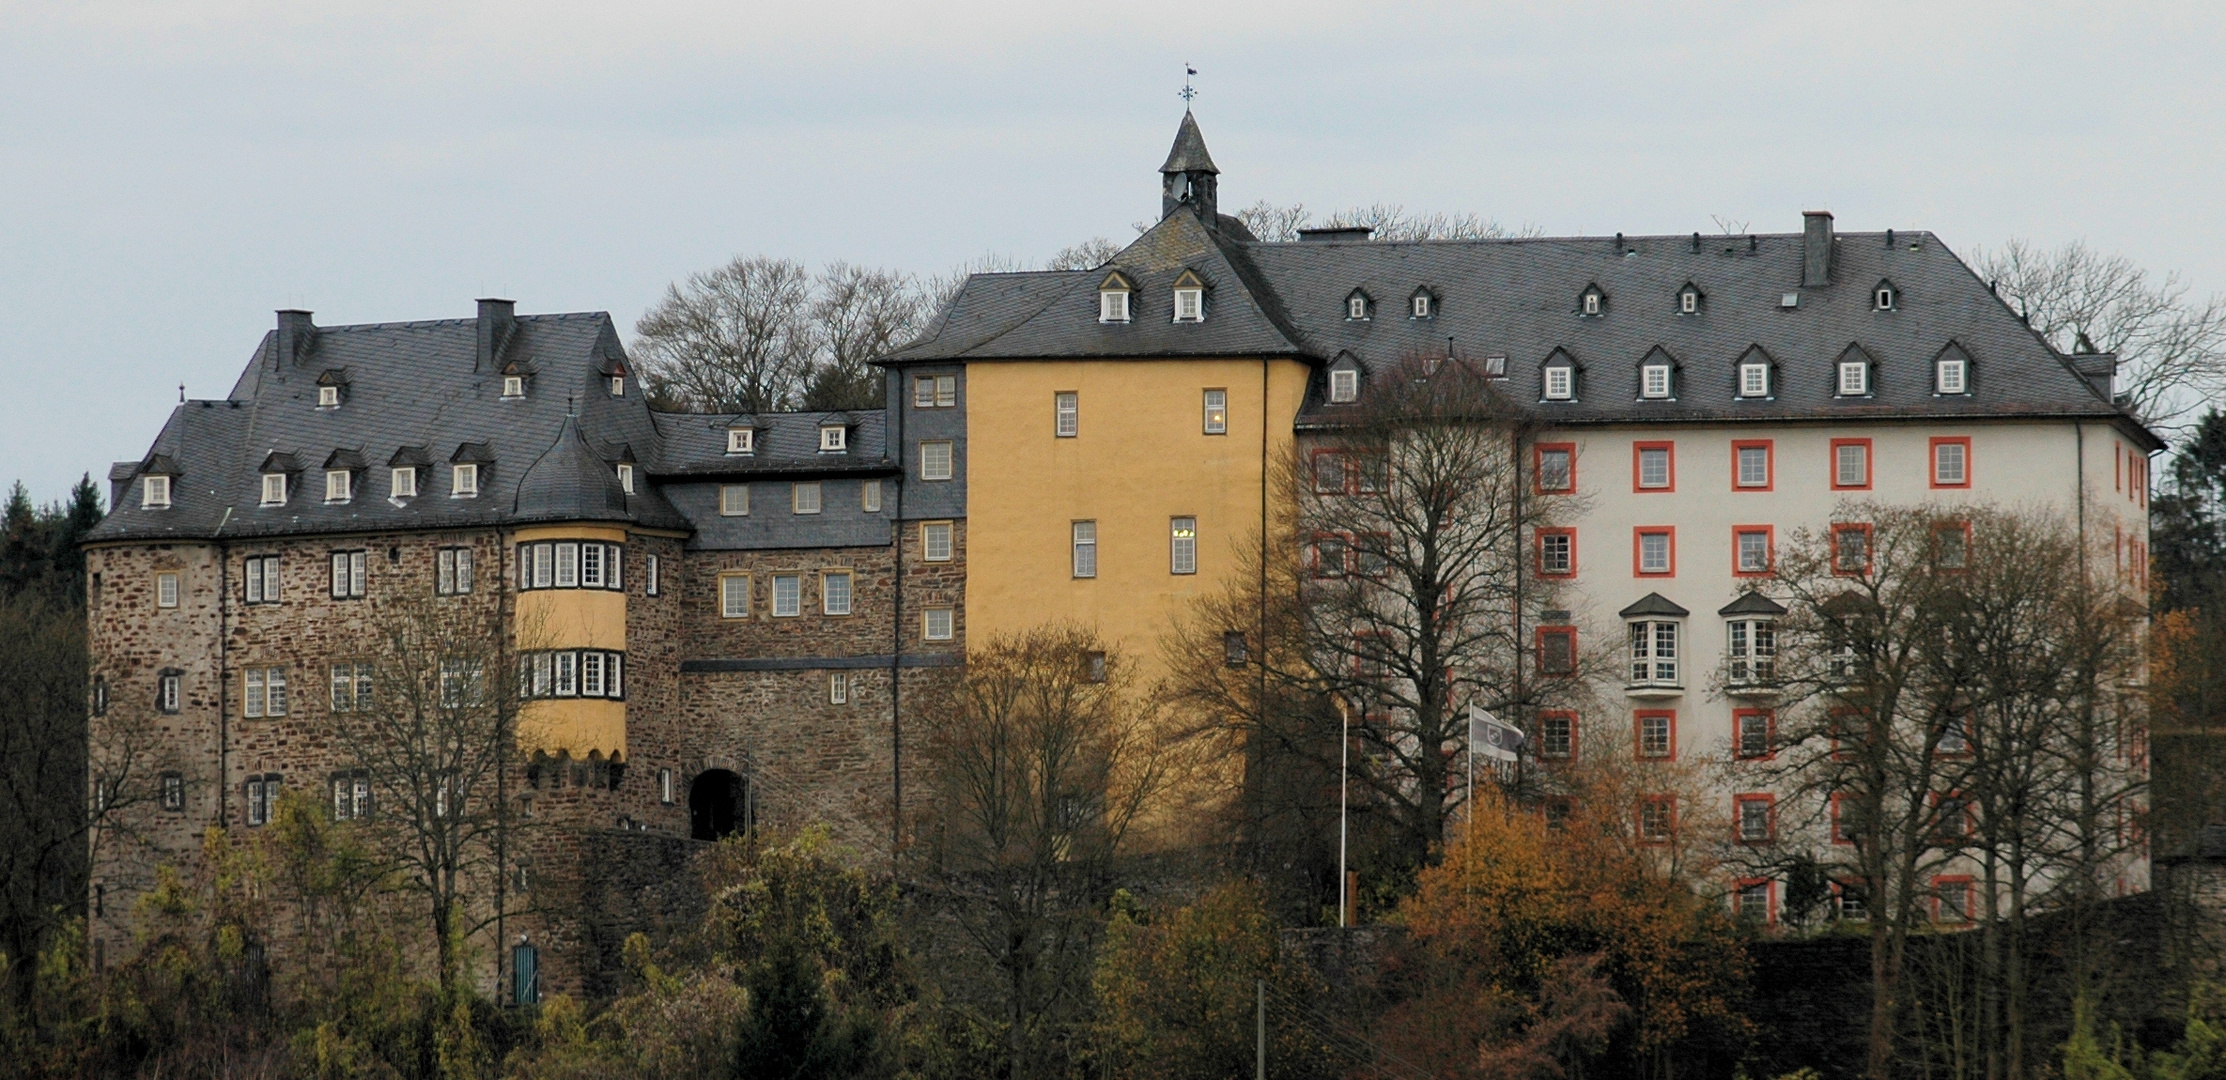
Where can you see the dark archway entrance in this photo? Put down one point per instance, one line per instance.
(718, 805)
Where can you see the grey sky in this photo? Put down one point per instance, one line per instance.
(170, 172)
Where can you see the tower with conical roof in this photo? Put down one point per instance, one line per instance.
(1189, 177)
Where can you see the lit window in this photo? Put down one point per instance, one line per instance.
(274, 489)
(1654, 467)
(1949, 376)
(1560, 383)
(869, 496)
(1754, 380)
(1422, 305)
(1066, 409)
(935, 460)
(1753, 648)
(1113, 306)
(1854, 378)
(402, 483)
(1183, 545)
(513, 386)
(1753, 466)
(1085, 549)
(935, 624)
(834, 593)
(337, 487)
(1654, 381)
(463, 481)
(1753, 550)
(734, 500)
(804, 498)
(1654, 552)
(1556, 469)
(734, 596)
(1654, 653)
(328, 397)
(741, 440)
(166, 590)
(1217, 412)
(833, 438)
(1951, 463)
(154, 493)
(838, 688)
(1657, 734)
(626, 477)
(1344, 386)
(1190, 305)
(788, 594)
(1356, 306)
(935, 541)
(591, 566)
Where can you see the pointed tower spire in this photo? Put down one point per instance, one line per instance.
(1189, 175)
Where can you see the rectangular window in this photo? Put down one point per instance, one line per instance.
(1754, 380)
(463, 481)
(1556, 467)
(274, 489)
(1950, 378)
(1750, 465)
(1329, 473)
(1560, 382)
(1851, 550)
(1234, 651)
(1751, 550)
(568, 566)
(1753, 648)
(1750, 900)
(1557, 552)
(1953, 900)
(1752, 819)
(833, 438)
(591, 674)
(402, 483)
(626, 477)
(869, 496)
(935, 460)
(1557, 650)
(614, 684)
(1753, 731)
(1951, 462)
(593, 557)
(544, 565)
(351, 687)
(1657, 819)
(1189, 305)
(1113, 306)
(664, 786)
(1656, 553)
(804, 498)
(1654, 381)
(567, 666)
(734, 500)
(1850, 464)
(169, 692)
(260, 576)
(946, 391)
(1854, 378)
(1652, 467)
(1329, 556)
(651, 585)
(834, 593)
(935, 624)
(337, 486)
(266, 692)
(1085, 549)
(1657, 734)
(100, 695)
(935, 541)
(166, 590)
(452, 573)
(349, 569)
(1951, 545)
(923, 391)
(1066, 407)
(838, 688)
(1217, 412)
(734, 596)
(1182, 540)
(154, 492)
(1557, 735)
(262, 798)
(741, 440)
(1654, 653)
(1344, 386)
(788, 594)
(173, 792)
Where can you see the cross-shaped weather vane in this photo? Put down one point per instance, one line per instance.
(1188, 91)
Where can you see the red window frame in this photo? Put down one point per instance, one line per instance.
(2117, 466)
(1932, 461)
(1538, 646)
(1346, 479)
(1639, 717)
(1840, 836)
(1540, 544)
(1870, 551)
(1639, 820)
(1870, 465)
(1642, 530)
(1963, 882)
(1769, 448)
(1769, 898)
(1671, 449)
(1770, 828)
(1314, 556)
(1939, 527)
(1964, 829)
(1574, 734)
(1770, 738)
(1538, 470)
(1769, 545)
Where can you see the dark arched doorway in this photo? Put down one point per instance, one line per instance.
(718, 804)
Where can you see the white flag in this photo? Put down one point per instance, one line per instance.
(1492, 737)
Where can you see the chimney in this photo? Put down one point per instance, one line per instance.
(295, 334)
(498, 320)
(1816, 248)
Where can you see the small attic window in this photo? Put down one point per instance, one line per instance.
(402, 482)
(741, 440)
(154, 493)
(626, 477)
(1423, 305)
(1754, 379)
(1592, 303)
(339, 485)
(513, 386)
(463, 481)
(1654, 381)
(833, 438)
(274, 489)
(1561, 383)
(328, 397)
(1113, 298)
(1884, 297)
(1951, 375)
(1356, 306)
(1344, 386)
(1688, 300)
(618, 386)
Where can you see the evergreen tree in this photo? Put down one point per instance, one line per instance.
(2188, 524)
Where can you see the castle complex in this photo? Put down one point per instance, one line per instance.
(732, 614)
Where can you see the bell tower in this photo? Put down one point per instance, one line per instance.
(1189, 177)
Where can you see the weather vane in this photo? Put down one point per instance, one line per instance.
(1188, 91)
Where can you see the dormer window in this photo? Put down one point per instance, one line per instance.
(1356, 306)
(513, 386)
(833, 438)
(274, 489)
(618, 386)
(339, 485)
(1854, 373)
(1654, 381)
(1592, 303)
(328, 397)
(1113, 295)
(402, 483)
(1190, 298)
(1688, 299)
(1560, 383)
(1344, 386)
(741, 440)
(1754, 380)
(1884, 297)
(154, 493)
(463, 480)
(332, 386)
(1423, 305)
(626, 477)
(1951, 374)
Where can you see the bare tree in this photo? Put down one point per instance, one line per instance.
(2171, 348)
(943, 288)
(1386, 221)
(1038, 762)
(859, 314)
(1087, 255)
(1273, 223)
(735, 339)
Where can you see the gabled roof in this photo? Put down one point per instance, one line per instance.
(1653, 604)
(1752, 602)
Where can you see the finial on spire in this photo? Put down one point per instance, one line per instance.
(1188, 91)
(181, 393)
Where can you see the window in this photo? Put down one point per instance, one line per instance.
(1190, 305)
(173, 792)
(1182, 541)
(1847, 820)
(1752, 733)
(833, 438)
(1848, 899)
(1329, 473)
(1066, 409)
(513, 386)
(804, 497)
(351, 687)
(788, 595)
(838, 688)
(170, 691)
(1751, 547)
(734, 500)
(1752, 819)
(262, 797)
(567, 566)
(664, 786)
(935, 460)
(834, 592)
(1753, 648)
(591, 675)
(259, 573)
(402, 483)
(1093, 666)
(869, 496)
(1113, 305)
(328, 397)
(1234, 651)
(1217, 412)
(1330, 556)
(1750, 899)
(567, 665)
(452, 571)
(266, 692)
(1854, 378)
(1954, 901)
(1651, 467)
(1754, 380)
(1556, 466)
(1561, 382)
(1688, 302)
(1657, 734)
(1657, 819)
(1883, 298)
(1951, 462)
(618, 386)
(1356, 306)
(1850, 464)
(935, 541)
(1851, 550)
(1422, 305)
(935, 624)
(651, 573)
(1557, 650)
(626, 477)
(1344, 386)
(1751, 465)
(570, 564)
(1949, 376)
(1557, 552)
(337, 486)
(1085, 549)
(154, 493)
(734, 596)
(348, 569)
(946, 391)
(1951, 545)
(1654, 381)
(1557, 735)
(351, 796)
(1655, 551)
(741, 440)
(1590, 305)
(1954, 736)
(463, 481)
(525, 968)
(1654, 653)
(166, 590)
(274, 489)
(100, 695)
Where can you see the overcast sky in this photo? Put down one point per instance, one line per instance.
(171, 172)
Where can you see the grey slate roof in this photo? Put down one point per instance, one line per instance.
(1189, 152)
(786, 444)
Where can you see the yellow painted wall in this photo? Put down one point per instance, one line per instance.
(1139, 459)
(572, 619)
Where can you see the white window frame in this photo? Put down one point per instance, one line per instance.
(1760, 456)
(1084, 543)
(1747, 897)
(664, 786)
(838, 688)
(1646, 459)
(339, 486)
(169, 692)
(265, 696)
(1654, 381)
(463, 480)
(1558, 745)
(513, 386)
(1356, 307)
(1884, 298)
(1217, 412)
(567, 565)
(1344, 386)
(734, 500)
(1419, 305)
(452, 572)
(350, 571)
(1951, 376)
(804, 497)
(652, 585)
(166, 590)
(1556, 563)
(154, 492)
(869, 496)
(935, 541)
(835, 592)
(260, 575)
(1591, 303)
(1739, 540)
(1561, 382)
(936, 624)
(1751, 649)
(1190, 305)
(618, 386)
(1647, 543)
(594, 558)
(1113, 306)
(1688, 302)
(401, 482)
(626, 477)
(1562, 479)
(1653, 649)
(1941, 452)
(788, 596)
(1854, 378)
(1840, 461)
(936, 459)
(1066, 414)
(1754, 380)
(741, 440)
(923, 391)
(1182, 545)
(1653, 747)
(328, 397)
(274, 489)
(946, 391)
(734, 596)
(834, 438)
